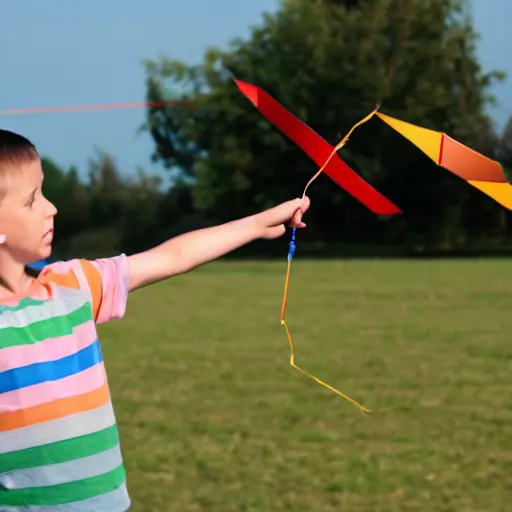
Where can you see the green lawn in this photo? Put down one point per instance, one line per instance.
(213, 418)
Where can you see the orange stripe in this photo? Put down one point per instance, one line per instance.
(67, 280)
(54, 410)
(95, 284)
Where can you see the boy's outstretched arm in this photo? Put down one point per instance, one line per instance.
(188, 251)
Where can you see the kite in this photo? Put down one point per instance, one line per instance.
(476, 169)
(479, 171)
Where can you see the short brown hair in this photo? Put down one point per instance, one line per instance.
(15, 150)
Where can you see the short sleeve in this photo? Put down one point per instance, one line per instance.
(108, 281)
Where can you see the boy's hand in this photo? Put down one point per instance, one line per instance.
(187, 251)
(272, 221)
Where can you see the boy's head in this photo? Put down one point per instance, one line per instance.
(26, 217)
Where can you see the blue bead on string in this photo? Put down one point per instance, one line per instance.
(292, 245)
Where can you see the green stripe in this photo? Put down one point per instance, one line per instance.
(22, 304)
(52, 327)
(61, 451)
(54, 495)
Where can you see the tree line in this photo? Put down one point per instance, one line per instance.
(329, 62)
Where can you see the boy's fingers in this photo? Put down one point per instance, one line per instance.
(275, 231)
(288, 212)
(297, 219)
(306, 203)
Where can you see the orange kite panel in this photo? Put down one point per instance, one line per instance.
(468, 164)
(500, 192)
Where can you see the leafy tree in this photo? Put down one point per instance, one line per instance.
(139, 223)
(106, 190)
(505, 149)
(329, 62)
(64, 189)
(54, 177)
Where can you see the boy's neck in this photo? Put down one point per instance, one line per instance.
(14, 279)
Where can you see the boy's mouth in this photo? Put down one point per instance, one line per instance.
(48, 234)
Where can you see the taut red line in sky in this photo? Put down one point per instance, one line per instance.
(108, 106)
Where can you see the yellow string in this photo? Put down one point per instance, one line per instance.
(288, 270)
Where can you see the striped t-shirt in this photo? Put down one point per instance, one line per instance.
(59, 443)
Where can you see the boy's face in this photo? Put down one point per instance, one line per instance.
(26, 216)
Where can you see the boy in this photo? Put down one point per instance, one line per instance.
(59, 445)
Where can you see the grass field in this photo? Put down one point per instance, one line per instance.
(213, 418)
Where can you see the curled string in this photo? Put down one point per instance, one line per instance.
(291, 253)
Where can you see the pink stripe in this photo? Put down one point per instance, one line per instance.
(48, 350)
(76, 384)
(115, 280)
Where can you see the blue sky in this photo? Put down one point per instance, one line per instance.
(59, 52)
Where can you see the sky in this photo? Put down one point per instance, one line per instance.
(58, 53)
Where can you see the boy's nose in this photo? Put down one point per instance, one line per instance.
(52, 210)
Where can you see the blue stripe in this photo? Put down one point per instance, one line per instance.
(38, 373)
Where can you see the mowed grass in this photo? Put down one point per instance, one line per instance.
(213, 418)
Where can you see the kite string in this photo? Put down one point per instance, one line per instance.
(338, 146)
(291, 253)
(108, 106)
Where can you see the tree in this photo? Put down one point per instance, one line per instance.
(505, 149)
(54, 177)
(329, 62)
(106, 190)
(65, 191)
(139, 222)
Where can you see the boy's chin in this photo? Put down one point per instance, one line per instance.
(42, 254)
(47, 252)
